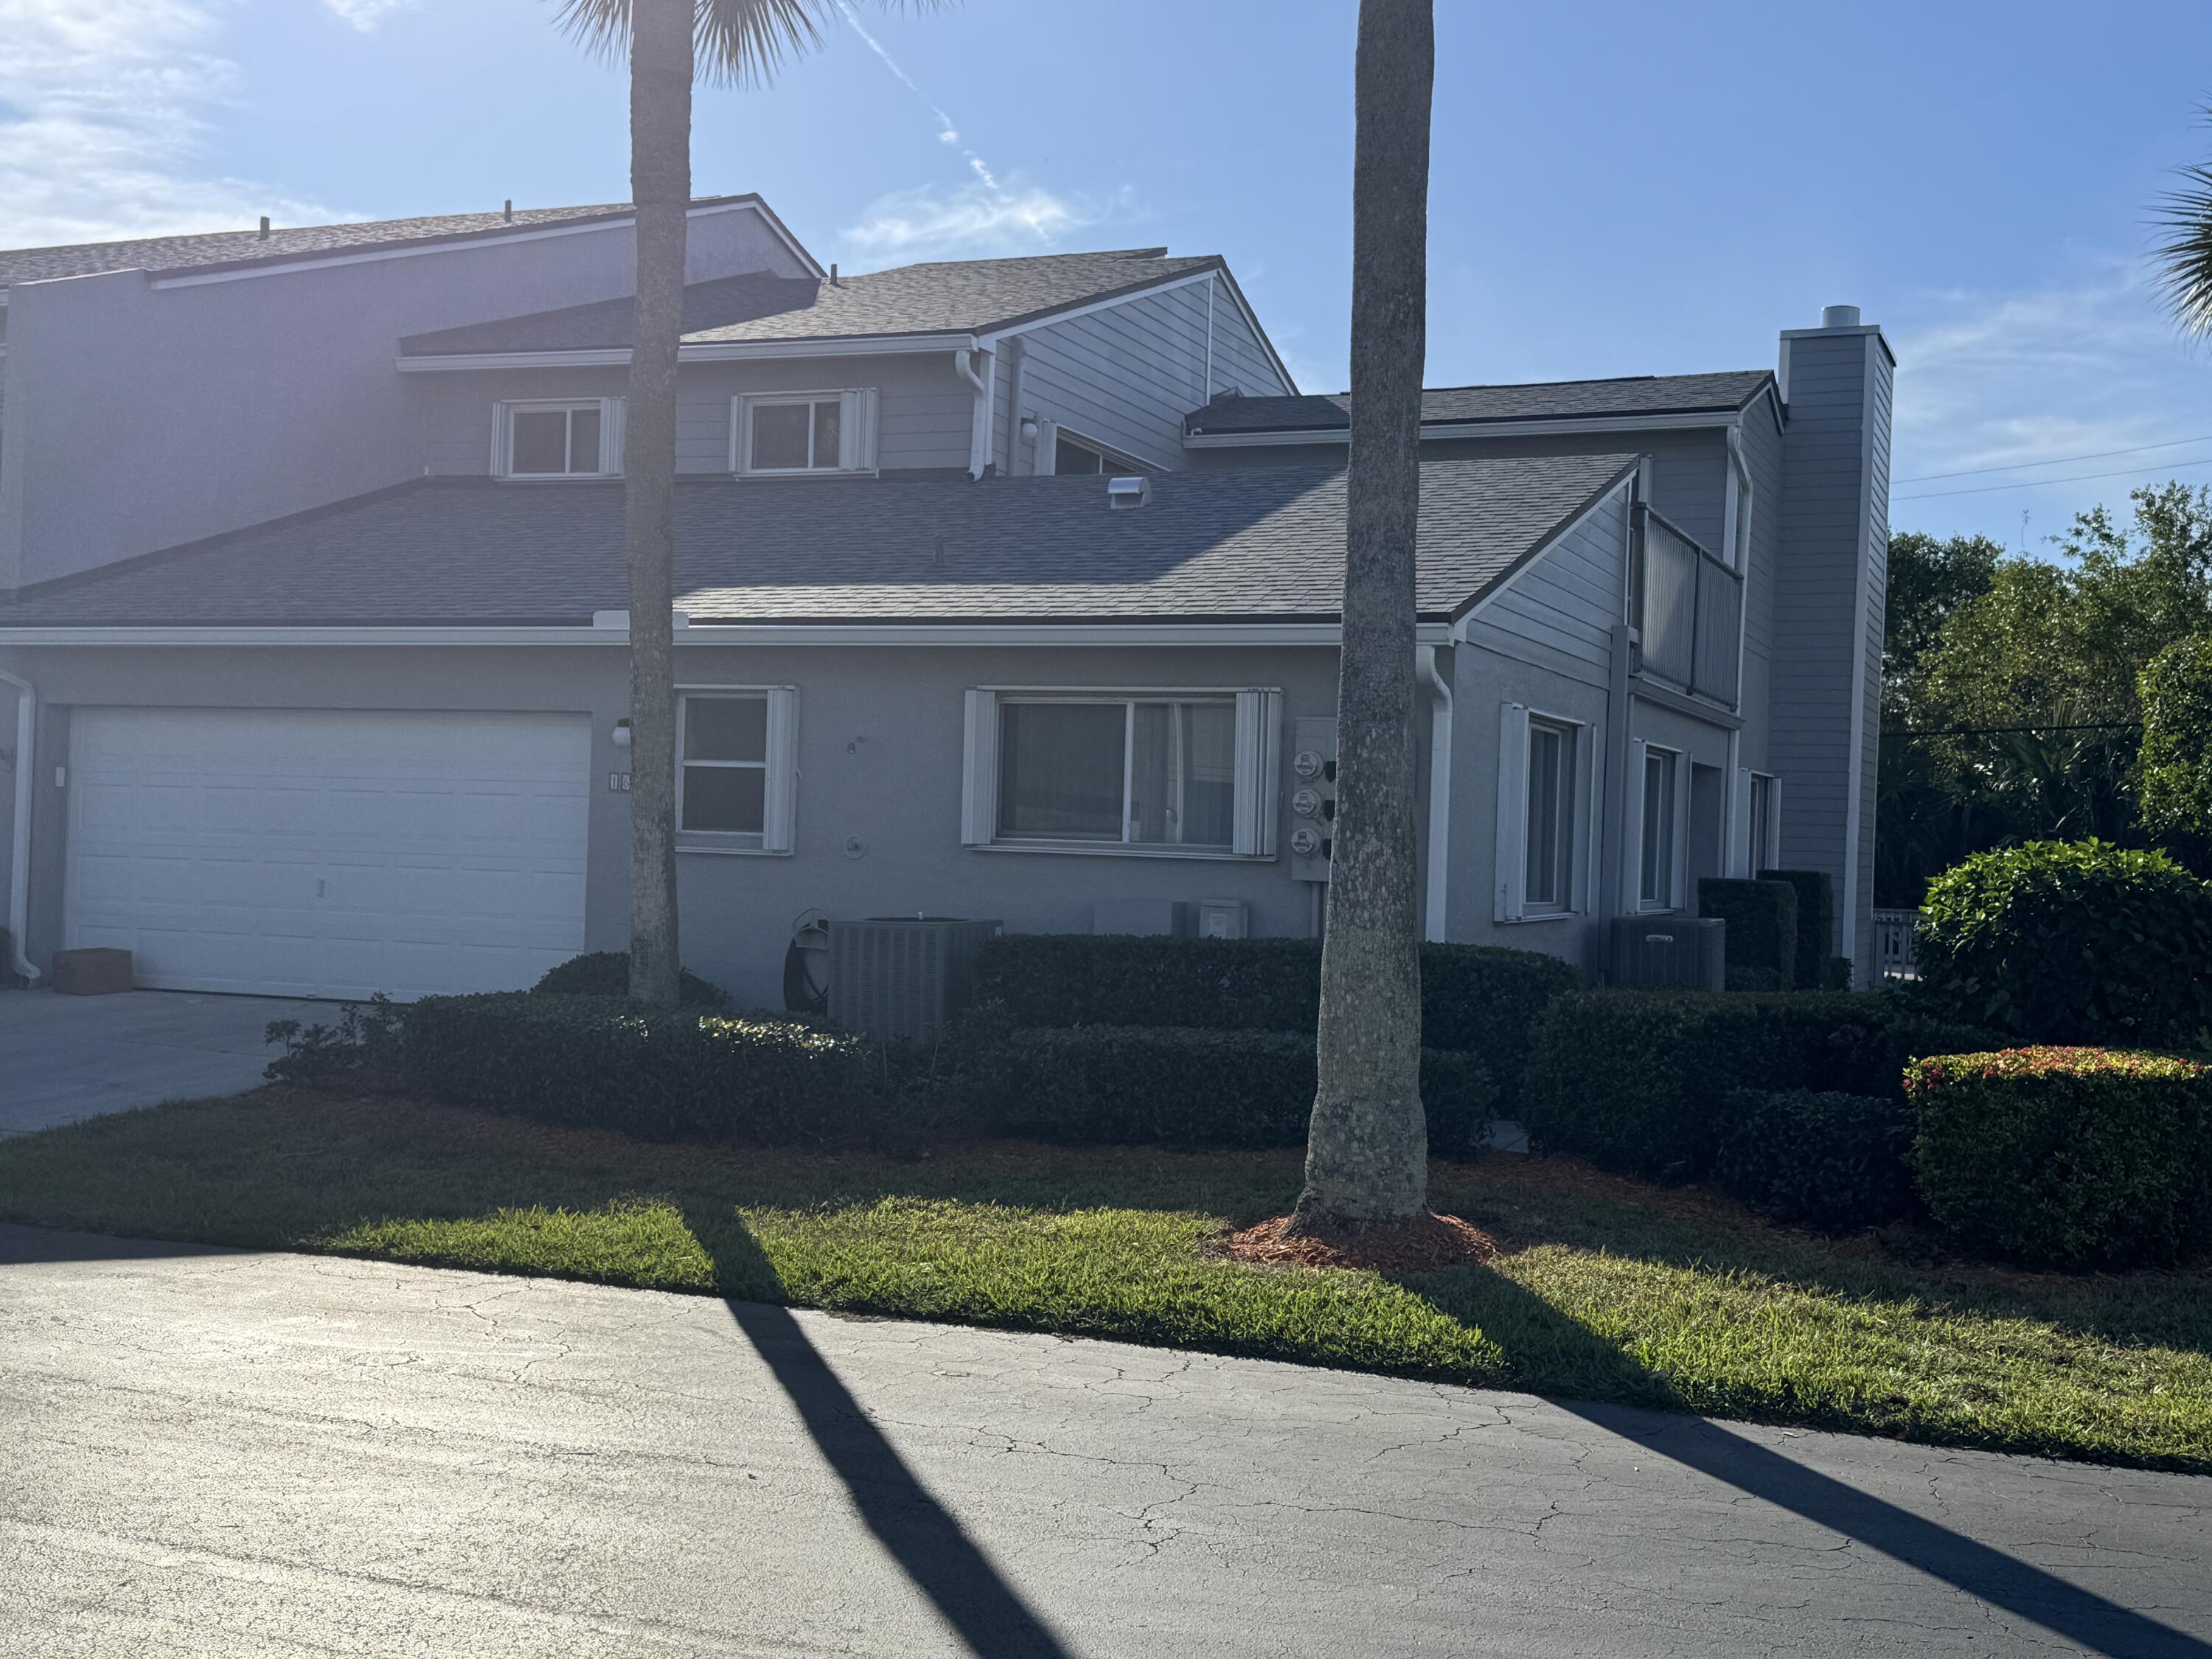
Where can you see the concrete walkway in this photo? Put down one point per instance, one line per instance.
(216, 1454)
(66, 1058)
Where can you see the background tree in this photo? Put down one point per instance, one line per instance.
(2174, 767)
(2183, 260)
(1929, 581)
(668, 43)
(1367, 1150)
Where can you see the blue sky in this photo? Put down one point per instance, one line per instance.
(1610, 196)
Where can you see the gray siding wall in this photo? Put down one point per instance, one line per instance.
(880, 732)
(1126, 375)
(925, 406)
(1828, 612)
(142, 416)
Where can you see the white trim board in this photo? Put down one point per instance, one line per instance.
(1443, 429)
(708, 351)
(708, 634)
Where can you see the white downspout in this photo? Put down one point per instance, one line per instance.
(1440, 753)
(19, 840)
(985, 384)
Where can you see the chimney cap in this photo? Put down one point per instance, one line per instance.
(1840, 317)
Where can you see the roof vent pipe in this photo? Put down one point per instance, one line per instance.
(1839, 316)
(264, 227)
(508, 211)
(833, 273)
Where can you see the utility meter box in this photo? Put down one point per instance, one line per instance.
(1313, 799)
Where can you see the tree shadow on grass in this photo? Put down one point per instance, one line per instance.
(1540, 1341)
(918, 1533)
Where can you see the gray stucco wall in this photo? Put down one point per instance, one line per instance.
(880, 732)
(142, 416)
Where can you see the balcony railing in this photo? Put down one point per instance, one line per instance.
(1687, 607)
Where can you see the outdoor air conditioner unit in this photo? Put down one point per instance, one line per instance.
(1670, 952)
(902, 976)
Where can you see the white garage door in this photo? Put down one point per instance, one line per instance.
(309, 853)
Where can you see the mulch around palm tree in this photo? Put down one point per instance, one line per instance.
(1426, 1244)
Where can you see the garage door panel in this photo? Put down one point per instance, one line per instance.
(326, 853)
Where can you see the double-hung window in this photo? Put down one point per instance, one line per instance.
(796, 433)
(1169, 772)
(736, 769)
(1540, 768)
(579, 438)
(1657, 878)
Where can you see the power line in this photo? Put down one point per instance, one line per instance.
(2055, 460)
(2000, 730)
(2038, 483)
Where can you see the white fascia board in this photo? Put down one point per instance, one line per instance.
(1695, 421)
(748, 633)
(708, 351)
(279, 265)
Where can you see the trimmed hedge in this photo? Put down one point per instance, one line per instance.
(2066, 1158)
(602, 1063)
(1475, 998)
(1639, 1081)
(606, 974)
(1816, 924)
(1178, 1086)
(1762, 930)
(2072, 942)
(1817, 1159)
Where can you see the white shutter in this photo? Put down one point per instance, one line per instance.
(1258, 724)
(1739, 857)
(1512, 864)
(856, 430)
(612, 413)
(978, 770)
(1631, 832)
(737, 433)
(780, 816)
(498, 451)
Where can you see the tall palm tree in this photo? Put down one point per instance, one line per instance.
(2183, 259)
(669, 44)
(1367, 1150)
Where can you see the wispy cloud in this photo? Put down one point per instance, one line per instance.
(365, 14)
(2046, 384)
(981, 214)
(103, 109)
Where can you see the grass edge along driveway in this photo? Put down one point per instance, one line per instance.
(1611, 1291)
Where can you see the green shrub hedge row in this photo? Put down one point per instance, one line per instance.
(2066, 1158)
(2072, 942)
(1816, 927)
(1816, 1157)
(600, 1062)
(1179, 1086)
(1762, 931)
(1474, 999)
(1639, 1081)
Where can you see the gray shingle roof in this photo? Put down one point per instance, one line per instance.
(218, 248)
(1234, 543)
(958, 297)
(1646, 394)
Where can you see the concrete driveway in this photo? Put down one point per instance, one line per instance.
(66, 1058)
(234, 1455)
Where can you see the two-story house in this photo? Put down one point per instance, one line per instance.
(1009, 588)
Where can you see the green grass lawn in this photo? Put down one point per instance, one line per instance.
(1611, 1291)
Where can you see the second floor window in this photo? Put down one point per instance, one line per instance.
(1071, 454)
(581, 439)
(796, 432)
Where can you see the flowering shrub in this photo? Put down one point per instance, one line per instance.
(2066, 1158)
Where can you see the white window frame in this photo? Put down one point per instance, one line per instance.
(610, 412)
(1640, 754)
(1258, 724)
(1122, 465)
(780, 762)
(859, 412)
(1514, 752)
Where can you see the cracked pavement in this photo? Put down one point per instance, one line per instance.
(209, 1453)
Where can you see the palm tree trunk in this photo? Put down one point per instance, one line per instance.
(661, 186)
(1367, 1149)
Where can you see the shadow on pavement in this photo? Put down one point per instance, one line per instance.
(23, 1246)
(920, 1533)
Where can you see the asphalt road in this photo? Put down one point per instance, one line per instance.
(214, 1453)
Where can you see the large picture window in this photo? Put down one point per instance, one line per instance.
(735, 769)
(1656, 888)
(1160, 772)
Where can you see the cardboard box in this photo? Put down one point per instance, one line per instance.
(97, 972)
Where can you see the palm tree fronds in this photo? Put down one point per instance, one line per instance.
(2182, 258)
(738, 42)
